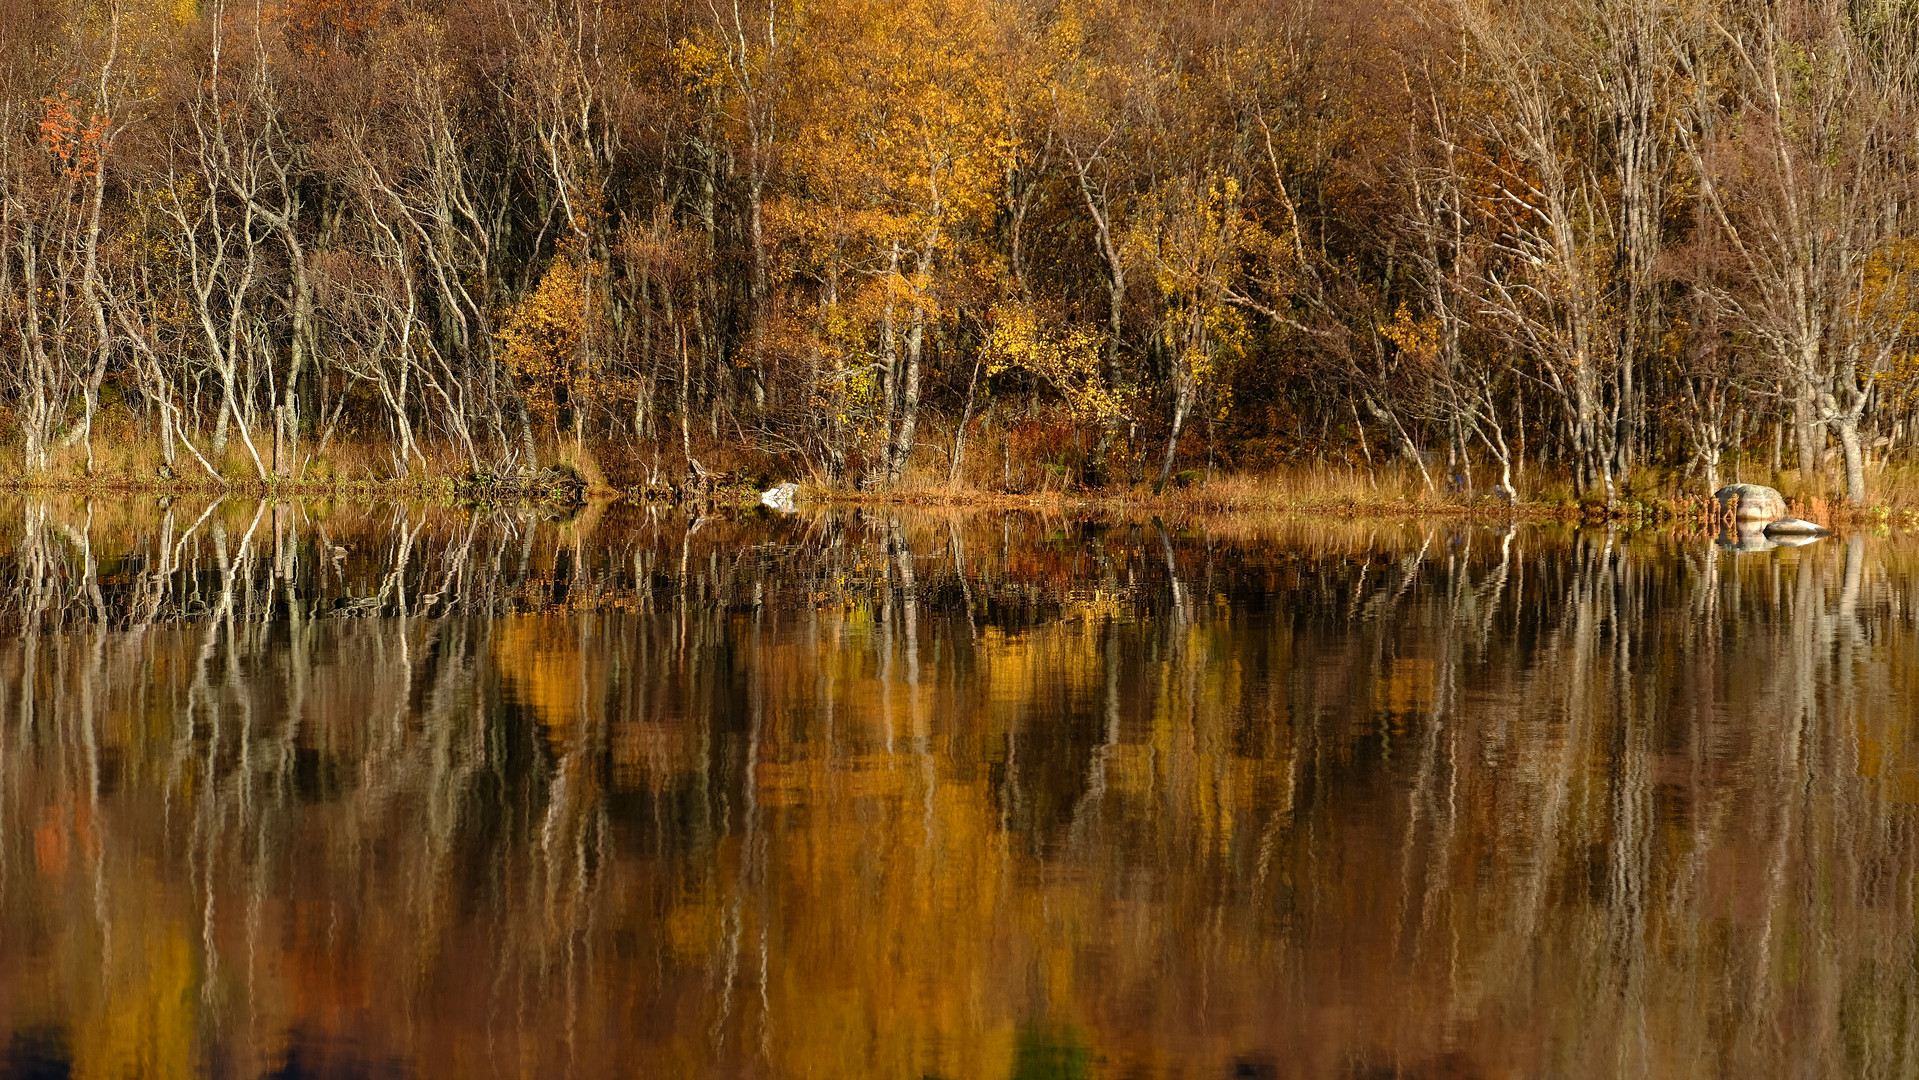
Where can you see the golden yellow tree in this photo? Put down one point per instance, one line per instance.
(1193, 232)
(902, 141)
(541, 337)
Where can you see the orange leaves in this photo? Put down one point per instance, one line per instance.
(66, 137)
(50, 846)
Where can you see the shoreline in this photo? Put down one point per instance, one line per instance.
(553, 485)
(1181, 503)
(562, 486)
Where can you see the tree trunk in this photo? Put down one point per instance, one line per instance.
(889, 366)
(909, 398)
(1805, 428)
(1182, 404)
(1846, 427)
(686, 407)
(959, 433)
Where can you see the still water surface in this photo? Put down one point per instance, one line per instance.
(311, 791)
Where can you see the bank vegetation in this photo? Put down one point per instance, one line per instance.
(1569, 251)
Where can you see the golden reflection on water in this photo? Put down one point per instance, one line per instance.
(315, 791)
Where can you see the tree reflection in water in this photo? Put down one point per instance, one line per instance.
(847, 794)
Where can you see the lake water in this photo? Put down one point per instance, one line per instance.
(312, 791)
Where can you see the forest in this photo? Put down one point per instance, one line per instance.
(974, 244)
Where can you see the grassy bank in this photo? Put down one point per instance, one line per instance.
(127, 461)
(362, 466)
(1394, 492)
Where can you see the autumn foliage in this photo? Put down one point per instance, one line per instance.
(1506, 246)
(76, 143)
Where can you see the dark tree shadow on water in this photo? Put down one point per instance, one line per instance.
(308, 1059)
(38, 1054)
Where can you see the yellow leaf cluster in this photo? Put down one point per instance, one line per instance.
(541, 338)
(1065, 358)
(1417, 338)
(1194, 236)
(699, 65)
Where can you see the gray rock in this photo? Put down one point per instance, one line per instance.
(1751, 502)
(1795, 527)
(781, 497)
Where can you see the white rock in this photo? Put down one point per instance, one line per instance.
(781, 498)
(1795, 527)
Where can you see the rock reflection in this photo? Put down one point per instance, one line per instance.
(347, 792)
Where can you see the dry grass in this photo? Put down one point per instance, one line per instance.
(357, 466)
(128, 459)
(1333, 489)
(1648, 495)
(1031, 465)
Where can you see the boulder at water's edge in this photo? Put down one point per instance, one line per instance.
(781, 498)
(1751, 502)
(1796, 527)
